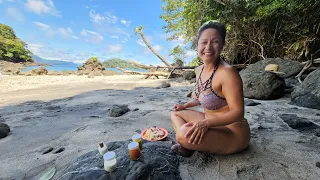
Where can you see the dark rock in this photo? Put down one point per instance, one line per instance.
(118, 110)
(288, 90)
(249, 102)
(192, 81)
(300, 123)
(4, 130)
(139, 102)
(262, 85)
(189, 75)
(289, 67)
(53, 108)
(136, 109)
(47, 150)
(318, 164)
(59, 150)
(164, 85)
(189, 94)
(291, 82)
(157, 162)
(308, 93)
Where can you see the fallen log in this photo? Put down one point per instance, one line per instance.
(146, 74)
(315, 61)
(237, 66)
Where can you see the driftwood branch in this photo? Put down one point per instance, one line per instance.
(147, 74)
(306, 66)
(237, 66)
(261, 47)
(315, 61)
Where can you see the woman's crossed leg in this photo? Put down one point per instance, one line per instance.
(216, 140)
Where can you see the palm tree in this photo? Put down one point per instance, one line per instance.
(139, 30)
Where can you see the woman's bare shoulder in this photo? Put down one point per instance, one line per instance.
(229, 73)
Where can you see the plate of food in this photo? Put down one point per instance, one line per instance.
(154, 133)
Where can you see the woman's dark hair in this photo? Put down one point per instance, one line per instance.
(215, 25)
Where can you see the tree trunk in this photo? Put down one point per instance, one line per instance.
(151, 48)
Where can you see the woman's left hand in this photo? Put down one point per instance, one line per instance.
(197, 131)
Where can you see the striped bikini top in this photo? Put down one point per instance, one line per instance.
(209, 100)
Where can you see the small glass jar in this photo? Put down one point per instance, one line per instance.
(110, 161)
(134, 151)
(137, 138)
(102, 148)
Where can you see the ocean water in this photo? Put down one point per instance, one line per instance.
(71, 67)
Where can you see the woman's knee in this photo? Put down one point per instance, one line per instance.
(174, 114)
(180, 135)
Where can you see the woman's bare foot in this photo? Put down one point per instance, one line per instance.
(177, 148)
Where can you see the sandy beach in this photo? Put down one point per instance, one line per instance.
(69, 115)
(16, 89)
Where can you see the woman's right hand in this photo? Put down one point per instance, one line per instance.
(179, 107)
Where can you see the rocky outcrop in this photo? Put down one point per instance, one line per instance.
(156, 162)
(91, 67)
(308, 93)
(118, 110)
(288, 67)
(270, 86)
(40, 71)
(262, 85)
(10, 68)
(4, 130)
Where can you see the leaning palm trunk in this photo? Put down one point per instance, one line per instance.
(139, 30)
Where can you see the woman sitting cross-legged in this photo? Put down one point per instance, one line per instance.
(221, 128)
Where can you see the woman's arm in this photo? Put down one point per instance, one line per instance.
(232, 90)
(194, 102)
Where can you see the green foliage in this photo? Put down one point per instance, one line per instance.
(93, 59)
(195, 62)
(178, 55)
(256, 29)
(116, 62)
(12, 48)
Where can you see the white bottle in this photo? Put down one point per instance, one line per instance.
(102, 148)
(110, 161)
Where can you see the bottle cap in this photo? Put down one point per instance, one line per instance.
(136, 136)
(133, 145)
(109, 155)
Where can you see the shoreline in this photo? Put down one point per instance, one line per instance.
(17, 88)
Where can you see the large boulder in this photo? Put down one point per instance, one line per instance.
(11, 70)
(308, 93)
(118, 110)
(4, 130)
(40, 71)
(262, 85)
(189, 75)
(156, 162)
(92, 67)
(288, 67)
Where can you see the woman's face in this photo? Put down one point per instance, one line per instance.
(210, 45)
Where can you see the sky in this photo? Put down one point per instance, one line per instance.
(74, 30)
